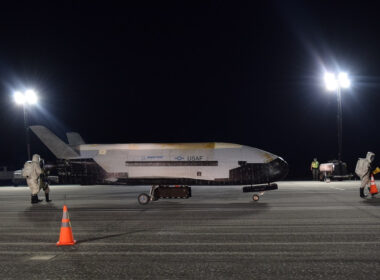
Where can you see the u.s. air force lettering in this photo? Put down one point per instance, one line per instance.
(189, 158)
(194, 158)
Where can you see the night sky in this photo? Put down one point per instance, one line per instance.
(172, 72)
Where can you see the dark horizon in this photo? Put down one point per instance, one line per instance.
(248, 74)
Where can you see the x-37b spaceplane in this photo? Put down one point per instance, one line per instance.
(170, 168)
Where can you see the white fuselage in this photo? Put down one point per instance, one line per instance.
(190, 163)
(206, 161)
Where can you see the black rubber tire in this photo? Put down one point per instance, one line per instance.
(143, 199)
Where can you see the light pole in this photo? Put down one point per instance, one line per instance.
(29, 97)
(335, 82)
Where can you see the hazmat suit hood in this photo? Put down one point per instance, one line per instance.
(370, 156)
(36, 158)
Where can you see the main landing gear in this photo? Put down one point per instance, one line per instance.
(157, 192)
(164, 191)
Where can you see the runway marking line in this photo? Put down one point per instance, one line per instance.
(318, 233)
(199, 244)
(42, 257)
(337, 188)
(210, 253)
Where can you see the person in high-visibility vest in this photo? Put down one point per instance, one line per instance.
(315, 169)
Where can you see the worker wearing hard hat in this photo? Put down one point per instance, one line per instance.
(315, 169)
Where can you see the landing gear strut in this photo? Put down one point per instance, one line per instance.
(157, 192)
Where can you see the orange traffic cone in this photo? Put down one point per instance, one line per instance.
(66, 237)
(373, 189)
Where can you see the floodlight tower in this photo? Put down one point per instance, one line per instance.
(335, 82)
(28, 98)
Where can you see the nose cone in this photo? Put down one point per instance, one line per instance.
(278, 169)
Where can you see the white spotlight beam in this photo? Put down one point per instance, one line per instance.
(19, 98)
(31, 97)
(344, 81)
(330, 81)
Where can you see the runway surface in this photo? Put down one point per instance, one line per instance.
(304, 230)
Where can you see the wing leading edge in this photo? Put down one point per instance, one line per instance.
(59, 148)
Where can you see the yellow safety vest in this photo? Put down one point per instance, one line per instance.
(315, 164)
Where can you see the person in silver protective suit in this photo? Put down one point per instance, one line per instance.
(364, 169)
(32, 172)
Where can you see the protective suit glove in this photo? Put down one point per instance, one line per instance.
(377, 170)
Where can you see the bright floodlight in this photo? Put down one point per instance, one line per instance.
(19, 98)
(331, 82)
(343, 80)
(31, 97)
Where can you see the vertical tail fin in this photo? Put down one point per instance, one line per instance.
(59, 148)
(74, 139)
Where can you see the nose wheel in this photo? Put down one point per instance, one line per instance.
(255, 197)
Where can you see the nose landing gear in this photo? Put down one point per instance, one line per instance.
(259, 190)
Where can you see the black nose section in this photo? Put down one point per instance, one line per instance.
(278, 169)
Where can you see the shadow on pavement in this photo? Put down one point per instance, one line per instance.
(42, 212)
(107, 236)
(42, 206)
(375, 201)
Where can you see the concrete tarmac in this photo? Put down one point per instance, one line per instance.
(304, 230)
